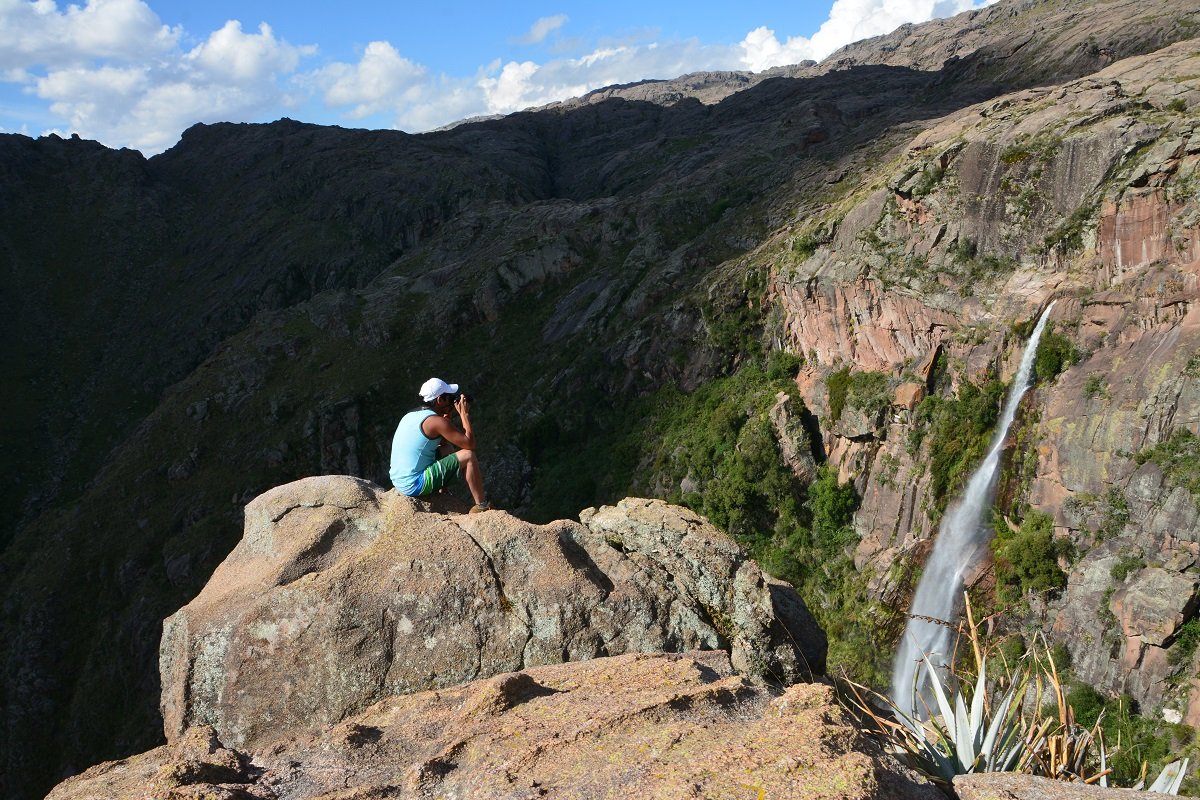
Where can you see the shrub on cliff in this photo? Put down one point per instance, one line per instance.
(867, 391)
(1027, 559)
(1179, 459)
(715, 451)
(1144, 740)
(1054, 354)
(958, 430)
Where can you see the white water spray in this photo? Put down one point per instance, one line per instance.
(961, 538)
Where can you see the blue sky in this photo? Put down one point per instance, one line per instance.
(136, 73)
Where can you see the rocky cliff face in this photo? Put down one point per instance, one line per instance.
(341, 594)
(590, 259)
(1083, 191)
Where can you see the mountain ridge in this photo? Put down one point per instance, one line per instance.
(598, 251)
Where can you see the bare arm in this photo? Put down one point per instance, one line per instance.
(463, 438)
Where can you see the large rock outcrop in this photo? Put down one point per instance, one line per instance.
(639, 725)
(341, 594)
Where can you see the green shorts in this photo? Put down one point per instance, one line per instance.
(439, 473)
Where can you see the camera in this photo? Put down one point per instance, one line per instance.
(464, 396)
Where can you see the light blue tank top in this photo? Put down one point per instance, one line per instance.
(412, 452)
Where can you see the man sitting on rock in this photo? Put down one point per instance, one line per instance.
(429, 450)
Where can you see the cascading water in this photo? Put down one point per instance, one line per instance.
(961, 537)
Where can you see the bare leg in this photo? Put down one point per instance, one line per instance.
(472, 474)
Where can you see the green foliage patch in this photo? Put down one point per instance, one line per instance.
(958, 430)
(805, 245)
(1095, 386)
(720, 444)
(1054, 354)
(1126, 565)
(1068, 236)
(930, 178)
(1142, 738)
(1179, 459)
(1027, 560)
(1185, 643)
(867, 391)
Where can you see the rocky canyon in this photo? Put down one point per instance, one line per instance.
(782, 307)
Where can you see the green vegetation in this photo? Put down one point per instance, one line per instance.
(715, 450)
(838, 386)
(1095, 386)
(1068, 236)
(866, 391)
(958, 430)
(1015, 155)
(1142, 739)
(1179, 459)
(930, 178)
(733, 326)
(965, 250)
(805, 245)
(1115, 513)
(1027, 560)
(1126, 565)
(1042, 147)
(1019, 470)
(1178, 105)
(1186, 640)
(1054, 354)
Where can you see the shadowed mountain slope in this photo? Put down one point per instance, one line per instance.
(256, 305)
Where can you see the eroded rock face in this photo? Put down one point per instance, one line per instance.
(341, 593)
(638, 725)
(1083, 192)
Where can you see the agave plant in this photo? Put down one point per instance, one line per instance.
(968, 733)
(1169, 779)
(984, 725)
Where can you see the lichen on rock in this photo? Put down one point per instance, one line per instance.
(341, 594)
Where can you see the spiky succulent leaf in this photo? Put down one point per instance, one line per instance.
(998, 734)
(976, 717)
(939, 695)
(1169, 780)
(964, 738)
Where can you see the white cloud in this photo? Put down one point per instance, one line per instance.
(110, 70)
(232, 75)
(37, 33)
(849, 21)
(542, 28)
(852, 20)
(380, 79)
(237, 57)
(761, 50)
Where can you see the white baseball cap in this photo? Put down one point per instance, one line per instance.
(436, 387)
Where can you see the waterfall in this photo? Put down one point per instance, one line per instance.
(961, 537)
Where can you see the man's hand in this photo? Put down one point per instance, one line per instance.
(462, 406)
